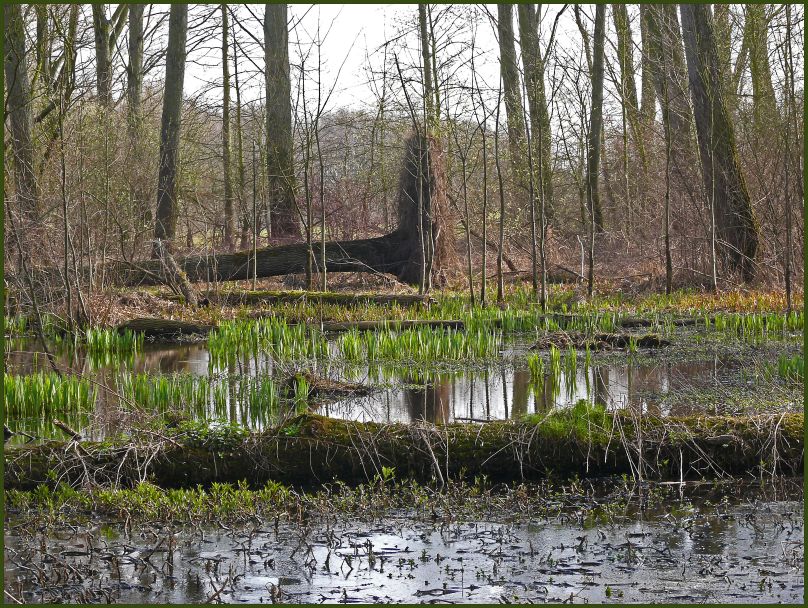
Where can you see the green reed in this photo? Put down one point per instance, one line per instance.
(273, 336)
(791, 368)
(757, 327)
(200, 395)
(47, 393)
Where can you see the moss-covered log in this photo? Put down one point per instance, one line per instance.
(312, 449)
(165, 329)
(393, 324)
(235, 298)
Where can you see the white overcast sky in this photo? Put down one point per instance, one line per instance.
(354, 32)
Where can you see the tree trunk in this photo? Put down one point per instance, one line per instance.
(106, 32)
(512, 91)
(723, 47)
(18, 107)
(429, 80)
(648, 100)
(628, 87)
(279, 149)
(134, 92)
(670, 74)
(134, 83)
(764, 107)
(165, 226)
(735, 223)
(398, 253)
(226, 165)
(594, 144)
(596, 119)
(42, 45)
(533, 64)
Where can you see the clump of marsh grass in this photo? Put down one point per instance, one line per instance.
(47, 394)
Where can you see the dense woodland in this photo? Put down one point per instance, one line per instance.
(656, 144)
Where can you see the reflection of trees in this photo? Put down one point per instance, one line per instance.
(164, 360)
(430, 403)
(601, 381)
(521, 391)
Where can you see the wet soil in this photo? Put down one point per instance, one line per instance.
(726, 542)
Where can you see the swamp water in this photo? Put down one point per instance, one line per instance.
(477, 392)
(733, 541)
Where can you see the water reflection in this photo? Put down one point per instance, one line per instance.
(498, 391)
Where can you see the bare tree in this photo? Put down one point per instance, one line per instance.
(735, 223)
(18, 102)
(106, 30)
(226, 163)
(533, 62)
(165, 226)
(512, 91)
(595, 127)
(279, 149)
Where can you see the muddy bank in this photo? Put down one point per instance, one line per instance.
(311, 449)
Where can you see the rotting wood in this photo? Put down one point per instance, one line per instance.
(310, 449)
(235, 298)
(165, 329)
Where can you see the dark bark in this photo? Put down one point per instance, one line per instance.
(226, 164)
(279, 150)
(106, 31)
(165, 226)
(596, 119)
(512, 92)
(726, 189)
(134, 93)
(18, 107)
(533, 64)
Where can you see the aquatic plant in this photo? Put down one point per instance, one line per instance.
(15, 325)
(47, 393)
(254, 399)
(791, 368)
(283, 341)
(757, 327)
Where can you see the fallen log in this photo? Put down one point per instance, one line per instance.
(236, 298)
(419, 249)
(311, 449)
(598, 341)
(685, 322)
(165, 329)
(336, 326)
